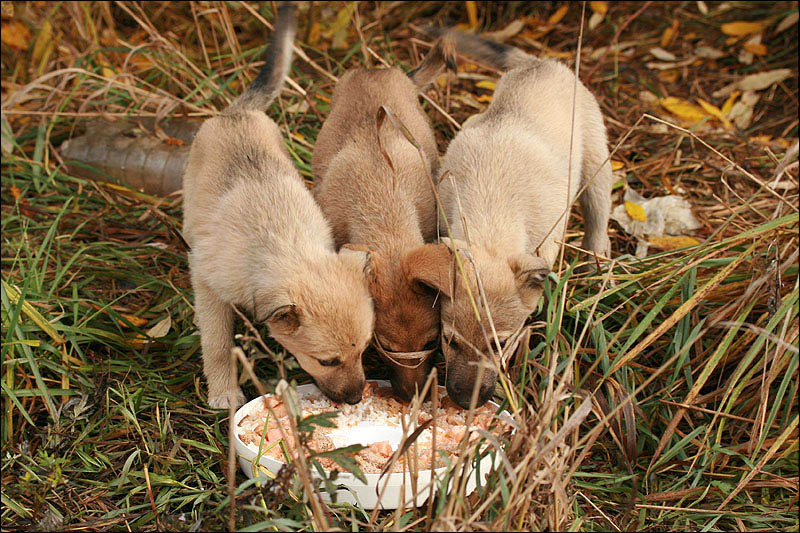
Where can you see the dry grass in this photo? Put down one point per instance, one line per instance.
(660, 393)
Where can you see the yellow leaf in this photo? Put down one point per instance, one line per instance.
(556, 17)
(715, 112)
(728, 105)
(741, 28)
(673, 243)
(484, 98)
(684, 110)
(669, 34)
(323, 98)
(669, 76)
(599, 7)
(338, 30)
(314, 33)
(472, 13)
(617, 165)
(486, 84)
(635, 211)
(300, 136)
(15, 35)
(756, 48)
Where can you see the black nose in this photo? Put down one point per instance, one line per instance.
(461, 393)
(353, 398)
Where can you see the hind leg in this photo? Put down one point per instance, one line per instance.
(597, 179)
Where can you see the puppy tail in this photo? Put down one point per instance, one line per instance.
(498, 55)
(443, 54)
(278, 58)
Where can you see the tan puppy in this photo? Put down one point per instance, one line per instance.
(389, 213)
(512, 175)
(261, 242)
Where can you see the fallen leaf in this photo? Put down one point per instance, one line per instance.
(338, 30)
(648, 98)
(715, 112)
(485, 98)
(617, 165)
(684, 110)
(556, 17)
(707, 52)
(728, 105)
(669, 34)
(669, 76)
(160, 329)
(15, 35)
(663, 55)
(513, 28)
(742, 28)
(599, 7)
(16, 193)
(756, 48)
(702, 7)
(756, 82)
(742, 111)
(787, 22)
(172, 141)
(300, 136)
(323, 98)
(672, 243)
(472, 13)
(667, 66)
(595, 20)
(486, 84)
(635, 211)
(314, 33)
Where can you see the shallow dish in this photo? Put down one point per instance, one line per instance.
(396, 487)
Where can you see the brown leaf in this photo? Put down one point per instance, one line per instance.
(15, 35)
(172, 141)
(669, 34)
(599, 7)
(756, 48)
(556, 17)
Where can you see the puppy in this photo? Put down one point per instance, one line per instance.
(386, 210)
(508, 174)
(258, 240)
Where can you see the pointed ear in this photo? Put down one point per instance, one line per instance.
(284, 320)
(529, 272)
(431, 265)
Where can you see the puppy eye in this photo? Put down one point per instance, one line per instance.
(431, 344)
(330, 362)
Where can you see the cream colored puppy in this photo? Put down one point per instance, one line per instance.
(386, 210)
(260, 241)
(512, 174)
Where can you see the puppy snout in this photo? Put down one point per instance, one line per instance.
(460, 391)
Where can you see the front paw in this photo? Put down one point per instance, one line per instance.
(226, 399)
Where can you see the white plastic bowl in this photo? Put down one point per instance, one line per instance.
(398, 487)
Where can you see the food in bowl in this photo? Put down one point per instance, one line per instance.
(376, 422)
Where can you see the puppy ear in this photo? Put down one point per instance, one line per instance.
(529, 272)
(284, 320)
(431, 265)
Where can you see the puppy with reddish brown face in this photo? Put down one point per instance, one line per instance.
(260, 241)
(509, 178)
(385, 208)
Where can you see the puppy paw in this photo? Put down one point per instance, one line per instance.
(227, 398)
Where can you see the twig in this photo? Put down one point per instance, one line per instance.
(616, 36)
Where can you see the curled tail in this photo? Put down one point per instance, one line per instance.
(278, 59)
(498, 55)
(443, 54)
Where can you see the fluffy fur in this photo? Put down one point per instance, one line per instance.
(510, 169)
(260, 241)
(388, 212)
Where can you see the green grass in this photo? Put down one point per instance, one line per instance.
(98, 419)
